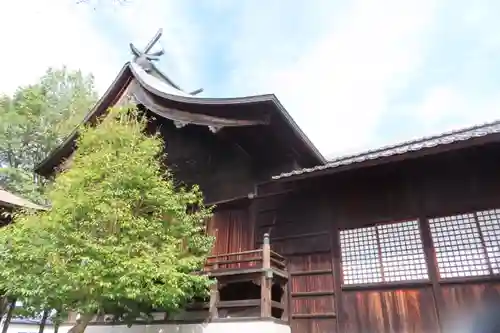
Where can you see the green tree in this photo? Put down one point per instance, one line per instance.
(120, 237)
(35, 120)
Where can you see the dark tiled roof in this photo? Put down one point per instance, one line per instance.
(402, 148)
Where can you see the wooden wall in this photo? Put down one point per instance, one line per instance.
(197, 156)
(306, 227)
(232, 229)
(219, 165)
(298, 231)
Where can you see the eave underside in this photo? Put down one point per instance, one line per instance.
(182, 118)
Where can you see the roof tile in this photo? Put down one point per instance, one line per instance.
(402, 148)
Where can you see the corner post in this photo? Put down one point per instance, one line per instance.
(266, 280)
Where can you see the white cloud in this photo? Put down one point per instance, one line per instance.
(37, 34)
(43, 33)
(439, 103)
(445, 108)
(338, 89)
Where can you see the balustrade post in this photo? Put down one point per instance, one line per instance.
(266, 280)
(214, 296)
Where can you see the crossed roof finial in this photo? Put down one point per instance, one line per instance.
(145, 59)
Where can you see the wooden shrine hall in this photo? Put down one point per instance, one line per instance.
(398, 239)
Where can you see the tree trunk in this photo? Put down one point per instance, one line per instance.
(4, 302)
(57, 322)
(82, 323)
(43, 321)
(6, 323)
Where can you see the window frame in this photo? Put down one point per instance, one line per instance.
(479, 222)
(413, 246)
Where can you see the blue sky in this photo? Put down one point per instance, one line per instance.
(354, 74)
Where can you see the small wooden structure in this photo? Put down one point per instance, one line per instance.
(263, 268)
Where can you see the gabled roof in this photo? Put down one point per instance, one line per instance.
(402, 149)
(150, 90)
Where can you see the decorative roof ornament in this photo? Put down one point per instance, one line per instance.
(146, 61)
(144, 58)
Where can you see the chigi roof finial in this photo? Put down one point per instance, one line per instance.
(146, 59)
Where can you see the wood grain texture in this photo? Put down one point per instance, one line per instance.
(325, 325)
(233, 233)
(463, 298)
(404, 311)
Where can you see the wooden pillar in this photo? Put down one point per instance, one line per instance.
(337, 277)
(430, 258)
(214, 296)
(266, 279)
(287, 300)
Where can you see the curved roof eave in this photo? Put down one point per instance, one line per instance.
(163, 90)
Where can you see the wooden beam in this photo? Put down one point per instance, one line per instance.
(239, 304)
(232, 200)
(314, 315)
(312, 272)
(313, 293)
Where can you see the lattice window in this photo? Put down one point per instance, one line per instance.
(402, 252)
(489, 222)
(467, 244)
(360, 256)
(384, 253)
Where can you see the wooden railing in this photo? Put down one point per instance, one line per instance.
(260, 258)
(262, 265)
